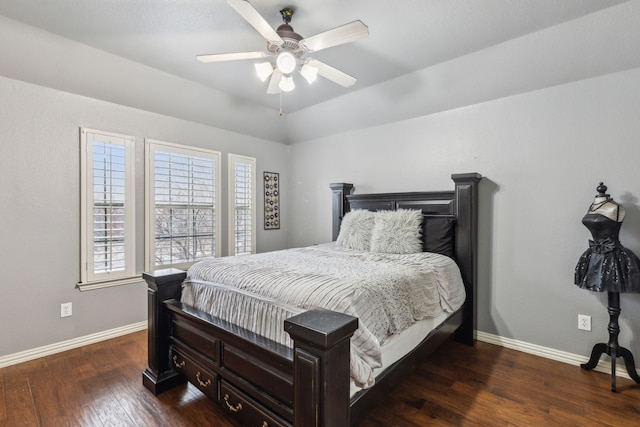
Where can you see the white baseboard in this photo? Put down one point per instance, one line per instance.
(536, 350)
(24, 356)
(548, 353)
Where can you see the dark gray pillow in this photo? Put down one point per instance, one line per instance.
(439, 235)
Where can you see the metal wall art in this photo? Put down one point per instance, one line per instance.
(271, 200)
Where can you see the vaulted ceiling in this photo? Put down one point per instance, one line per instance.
(405, 35)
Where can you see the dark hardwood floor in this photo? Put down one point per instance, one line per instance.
(101, 385)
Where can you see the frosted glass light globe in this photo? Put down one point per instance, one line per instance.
(264, 70)
(286, 62)
(309, 72)
(286, 84)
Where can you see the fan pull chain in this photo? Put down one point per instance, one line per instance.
(280, 112)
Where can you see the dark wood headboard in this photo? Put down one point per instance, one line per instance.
(457, 209)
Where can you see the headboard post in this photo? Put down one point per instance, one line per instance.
(339, 204)
(466, 210)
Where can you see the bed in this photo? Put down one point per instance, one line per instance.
(265, 382)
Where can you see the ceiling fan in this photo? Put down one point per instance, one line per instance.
(291, 50)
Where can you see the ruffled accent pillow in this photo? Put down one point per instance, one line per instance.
(397, 232)
(355, 230)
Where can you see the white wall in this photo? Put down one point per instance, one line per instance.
(40, 212)
(542, 153)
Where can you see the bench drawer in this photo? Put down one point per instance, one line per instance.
(187, 333)
(196, 373)
(247, 411)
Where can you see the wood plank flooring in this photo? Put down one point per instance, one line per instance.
(101, 385)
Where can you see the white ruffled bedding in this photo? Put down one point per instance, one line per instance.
(387, 292)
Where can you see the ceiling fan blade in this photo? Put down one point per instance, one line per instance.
(344, 34)
(219, 57)
(274, 82)
(251, 15)
(333, 74)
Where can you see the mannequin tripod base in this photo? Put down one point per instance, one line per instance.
(612, 348)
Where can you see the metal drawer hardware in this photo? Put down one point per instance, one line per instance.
(232, 408)
(265, 424)
(178, 364)
(202, 383)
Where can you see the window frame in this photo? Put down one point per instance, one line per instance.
(89, 279)
(151, 145)
(234, 159)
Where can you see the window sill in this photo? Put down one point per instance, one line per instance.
(108, 284)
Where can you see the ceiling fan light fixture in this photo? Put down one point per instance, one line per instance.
(286, 62)
(264, 70)
(309, 72)
(286, 84)
(290, 50)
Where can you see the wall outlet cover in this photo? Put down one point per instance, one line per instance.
(584, 322)
(66, 309)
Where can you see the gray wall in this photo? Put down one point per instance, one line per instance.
(49, 88)
(597, 44)
(544, 118)
(542, 152)
(46, 59)
(40, 212)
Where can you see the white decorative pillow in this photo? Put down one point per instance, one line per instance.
(397, 232)
(355, 230)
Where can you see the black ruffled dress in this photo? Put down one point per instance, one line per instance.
(606, 265)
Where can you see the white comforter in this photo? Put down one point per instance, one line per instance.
(387, 292)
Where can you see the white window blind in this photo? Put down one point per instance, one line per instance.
(107, 208)
(182, 204)
(242, 205)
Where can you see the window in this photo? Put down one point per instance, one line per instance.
(107, 208)
(242, 205)
(182, 199)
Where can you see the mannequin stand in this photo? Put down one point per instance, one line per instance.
(612, 348)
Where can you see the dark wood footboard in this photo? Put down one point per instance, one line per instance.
(256, 380)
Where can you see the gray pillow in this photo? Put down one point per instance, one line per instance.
(355, 230)
(397, 232)
(439, 235)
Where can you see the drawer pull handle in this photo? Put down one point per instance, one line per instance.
(202, 383)
(265, 424)
(178, 364)
(232, 408)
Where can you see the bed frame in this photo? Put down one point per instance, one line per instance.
(263, 383)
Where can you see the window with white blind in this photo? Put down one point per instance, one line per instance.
(182, 190)
(107, 208)
(242, 205)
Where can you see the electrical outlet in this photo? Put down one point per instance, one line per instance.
(584, 322)
(65, 309)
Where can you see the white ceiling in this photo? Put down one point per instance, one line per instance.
(405, 35)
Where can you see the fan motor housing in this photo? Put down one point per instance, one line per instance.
(291, 40)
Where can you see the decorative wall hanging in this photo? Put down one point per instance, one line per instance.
(271, 200)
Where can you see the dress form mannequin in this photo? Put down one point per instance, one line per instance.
(606, 206)
(608, 266)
